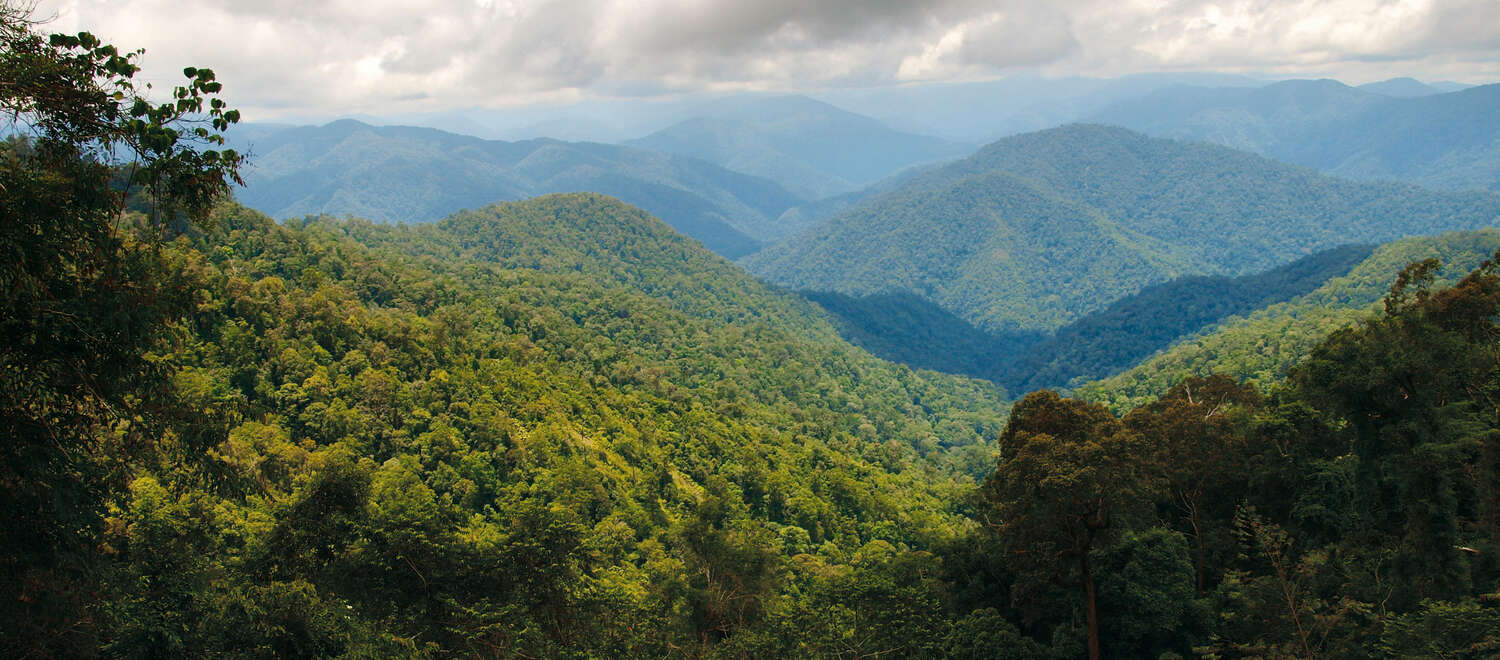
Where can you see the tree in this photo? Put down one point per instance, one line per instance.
(1197, 431)
(1068, 471)
(83, 296)
(1414, 393)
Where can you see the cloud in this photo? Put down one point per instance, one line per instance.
(288, 56)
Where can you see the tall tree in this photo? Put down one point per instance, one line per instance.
(1197, 433)
(82, 299)
(1068, 471)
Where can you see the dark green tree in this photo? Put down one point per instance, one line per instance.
(1197, 433)
(1414, 393)
(1069, 471)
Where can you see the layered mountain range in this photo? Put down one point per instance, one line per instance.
(392, 173)
(1443, 140)
(1038, 230)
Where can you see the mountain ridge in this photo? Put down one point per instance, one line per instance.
(1447, 139)
(394, 173)
(1034, 231)
(812, 148)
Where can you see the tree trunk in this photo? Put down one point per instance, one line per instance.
(1198, 540)
(1095, 653)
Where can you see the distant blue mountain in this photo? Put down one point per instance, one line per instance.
(399, 173)
(811, 148)
(1406, 88)
(1383, 131)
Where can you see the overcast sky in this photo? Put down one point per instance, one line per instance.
(300, 58)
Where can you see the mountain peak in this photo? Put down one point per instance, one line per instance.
(346, 123)
(1404, 87)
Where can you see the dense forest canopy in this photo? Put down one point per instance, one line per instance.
(1262, 346)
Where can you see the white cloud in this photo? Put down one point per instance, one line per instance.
(294, 56)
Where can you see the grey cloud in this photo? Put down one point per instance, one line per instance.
(735, 26)
(357, 55)
(1034, 33)
(1463, 25)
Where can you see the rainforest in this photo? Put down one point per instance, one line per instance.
(1078, 392)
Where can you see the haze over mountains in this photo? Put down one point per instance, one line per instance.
(811, 148)
(1444, 140)
(390, 173)
(725, 180)
(825, 157)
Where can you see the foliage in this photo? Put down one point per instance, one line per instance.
(1349, 510)
(556, 428)
(81, 390)
(543, 428)
(1067, 477)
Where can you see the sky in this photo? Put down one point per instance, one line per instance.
(283, 58)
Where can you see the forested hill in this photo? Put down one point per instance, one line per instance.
(545, 426)
(404, 174)
(1136, 326)
(813, 149)
(910, 330)
(1449, 141)
(1262, 346)
(486, 433)
(1035, 231)
(557, 428)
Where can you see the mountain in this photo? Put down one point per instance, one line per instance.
(1261, 346)
(1036, 231)
(395, 173)
(979, 112)
(907, 329)
(552, 427)
(1402, 88)
(811, 148)
(1441, 140)
(1134, 327)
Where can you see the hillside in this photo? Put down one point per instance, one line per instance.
(1136, 326)
(907, 329)
(394, 173)
(1441, 140)
(904, 328)
(487, 430)
(1036, 231)
(1261, 346)
(811, 148)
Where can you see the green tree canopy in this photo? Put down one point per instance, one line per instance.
(1068, 471)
